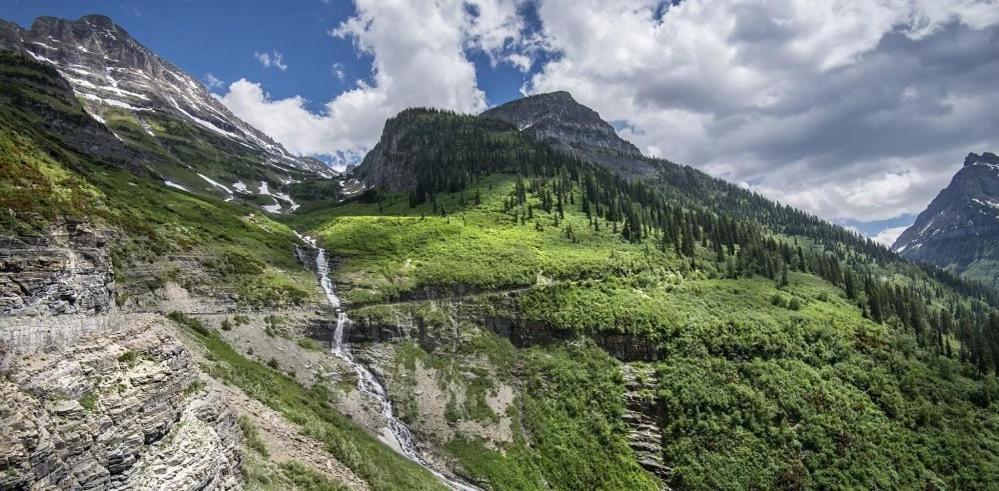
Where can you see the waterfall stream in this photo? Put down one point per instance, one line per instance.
(395, 434)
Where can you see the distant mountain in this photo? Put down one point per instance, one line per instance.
(959, 230)
(557, 119)
(185, 136)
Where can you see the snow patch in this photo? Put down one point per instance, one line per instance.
(213, 183)
(239, 186)
(41, 58)
(292, 205)
(44, 45)
(175, 185)
(275, 208)
(204, 123)
(112, 102)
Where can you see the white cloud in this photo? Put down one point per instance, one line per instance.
(272, 59)
(847, 108)
(419, 52)
(213, 82)
(804, 99)
(888, 235)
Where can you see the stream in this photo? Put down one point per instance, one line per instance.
(395, 434)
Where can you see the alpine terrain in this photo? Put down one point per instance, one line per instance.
(960, 227)
(513, 300)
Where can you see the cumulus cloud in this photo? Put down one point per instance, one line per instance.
(850, 109)
(420, 59)
(887, 236)
(272, 59)
(854, 109)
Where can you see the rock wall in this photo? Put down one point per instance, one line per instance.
(643, 414)
(118, 410)
(67, 271)
(55, 288)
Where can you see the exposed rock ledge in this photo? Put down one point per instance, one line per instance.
(55, 288)
(67, 271)
(116, 410)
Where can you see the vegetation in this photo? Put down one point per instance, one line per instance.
(251, 437)
(310, 408)
(47, 182)
(789, 352)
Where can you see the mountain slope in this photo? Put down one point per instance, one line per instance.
(104, 391)
(959, 230)
(773, 350)
(558, 120)
(181, 133)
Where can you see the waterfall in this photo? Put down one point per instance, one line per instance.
(395, 434)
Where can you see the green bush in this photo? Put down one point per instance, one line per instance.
(252, 437)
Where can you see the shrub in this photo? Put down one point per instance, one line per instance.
(190, 322)
(129, 357)
(252, 437)
(794, 304)
(89, 401)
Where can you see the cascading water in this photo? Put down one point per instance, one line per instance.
(395, 434)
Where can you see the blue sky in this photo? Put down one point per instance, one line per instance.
(221, 38)
(857, 111)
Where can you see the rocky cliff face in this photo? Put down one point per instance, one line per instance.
(157, 109)
(558, 120)
(960, 227)
(92, 398)
(643, 414)
(120, 410)
(66, 272)
(54, 288)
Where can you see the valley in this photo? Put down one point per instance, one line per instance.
(506, 301)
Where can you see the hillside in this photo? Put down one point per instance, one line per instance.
(505, 312)
(748, 356)
(173, 128)
(103, 389)
(959, 228)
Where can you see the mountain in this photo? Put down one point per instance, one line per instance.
(959, 230)
(757, 346)
(557, 119)
(495, 310)
(179, 132)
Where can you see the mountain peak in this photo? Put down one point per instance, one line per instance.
(985, 158)
(98, 20)
(141, 98)
(558, 95)
(963, 215)
(557, 119)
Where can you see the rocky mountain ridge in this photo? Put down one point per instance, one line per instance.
(557, 119)
(959, 228)
(184, 135)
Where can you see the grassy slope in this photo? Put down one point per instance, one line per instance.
(46, 183)
(377, 464)
(757, 394)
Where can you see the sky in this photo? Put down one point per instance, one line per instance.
(859, 111)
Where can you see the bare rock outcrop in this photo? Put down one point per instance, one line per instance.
(643, 415)
(118, 410)
(67, 271)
